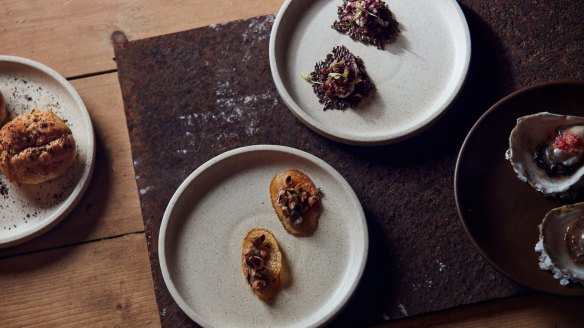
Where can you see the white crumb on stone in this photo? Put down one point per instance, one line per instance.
(256, 30)
(252, 128)
(229, 135)
(441, 266)
(217, 26)
(402, 309)
(145, 190)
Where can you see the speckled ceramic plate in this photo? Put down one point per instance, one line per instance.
(27, 211)
(218, 204)
(416, 77)
(501, 213)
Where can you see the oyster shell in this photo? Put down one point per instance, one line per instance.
(546, 150)
(561, 243)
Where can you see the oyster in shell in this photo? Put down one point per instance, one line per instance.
(561, 243)
(547, 150)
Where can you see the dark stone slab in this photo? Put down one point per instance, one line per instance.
(192, 95)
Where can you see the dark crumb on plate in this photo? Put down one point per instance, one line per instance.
(340, 81)
(368, 21)
(3, 190)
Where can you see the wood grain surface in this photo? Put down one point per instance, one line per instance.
(101, 284)
(107, 283)
(538, 311)
(73, 37)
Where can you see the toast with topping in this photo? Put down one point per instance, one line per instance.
(296, 201)
(261, 262)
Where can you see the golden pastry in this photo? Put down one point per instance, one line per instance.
(35, 147)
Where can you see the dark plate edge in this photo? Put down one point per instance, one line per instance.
(457, 177)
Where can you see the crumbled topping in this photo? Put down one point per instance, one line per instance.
(295, 201)
(340, 80)
(256, 256)
(368, 21)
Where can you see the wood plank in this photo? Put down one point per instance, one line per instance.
(73, 37)
(110, 206)
(99, 284)
(531, 311)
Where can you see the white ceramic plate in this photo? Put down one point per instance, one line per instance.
(218, 204)
(416, 77)
(27, 211)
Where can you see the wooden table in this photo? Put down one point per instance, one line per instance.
(93, 268)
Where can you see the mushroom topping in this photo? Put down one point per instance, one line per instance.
(295, 201)
(256, 256)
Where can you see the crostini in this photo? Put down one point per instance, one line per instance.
(261, 263)
(296, 201)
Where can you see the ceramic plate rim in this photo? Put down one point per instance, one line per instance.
(246, 149)
(333, 134)
(457, 177)
(67, 206)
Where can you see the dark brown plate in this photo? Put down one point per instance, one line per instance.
(500, 213)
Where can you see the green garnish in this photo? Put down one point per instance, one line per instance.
(337, 63)
(308, 79)
(337, 76)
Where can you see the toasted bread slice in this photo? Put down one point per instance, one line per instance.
(272, 262)
(310, 214)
